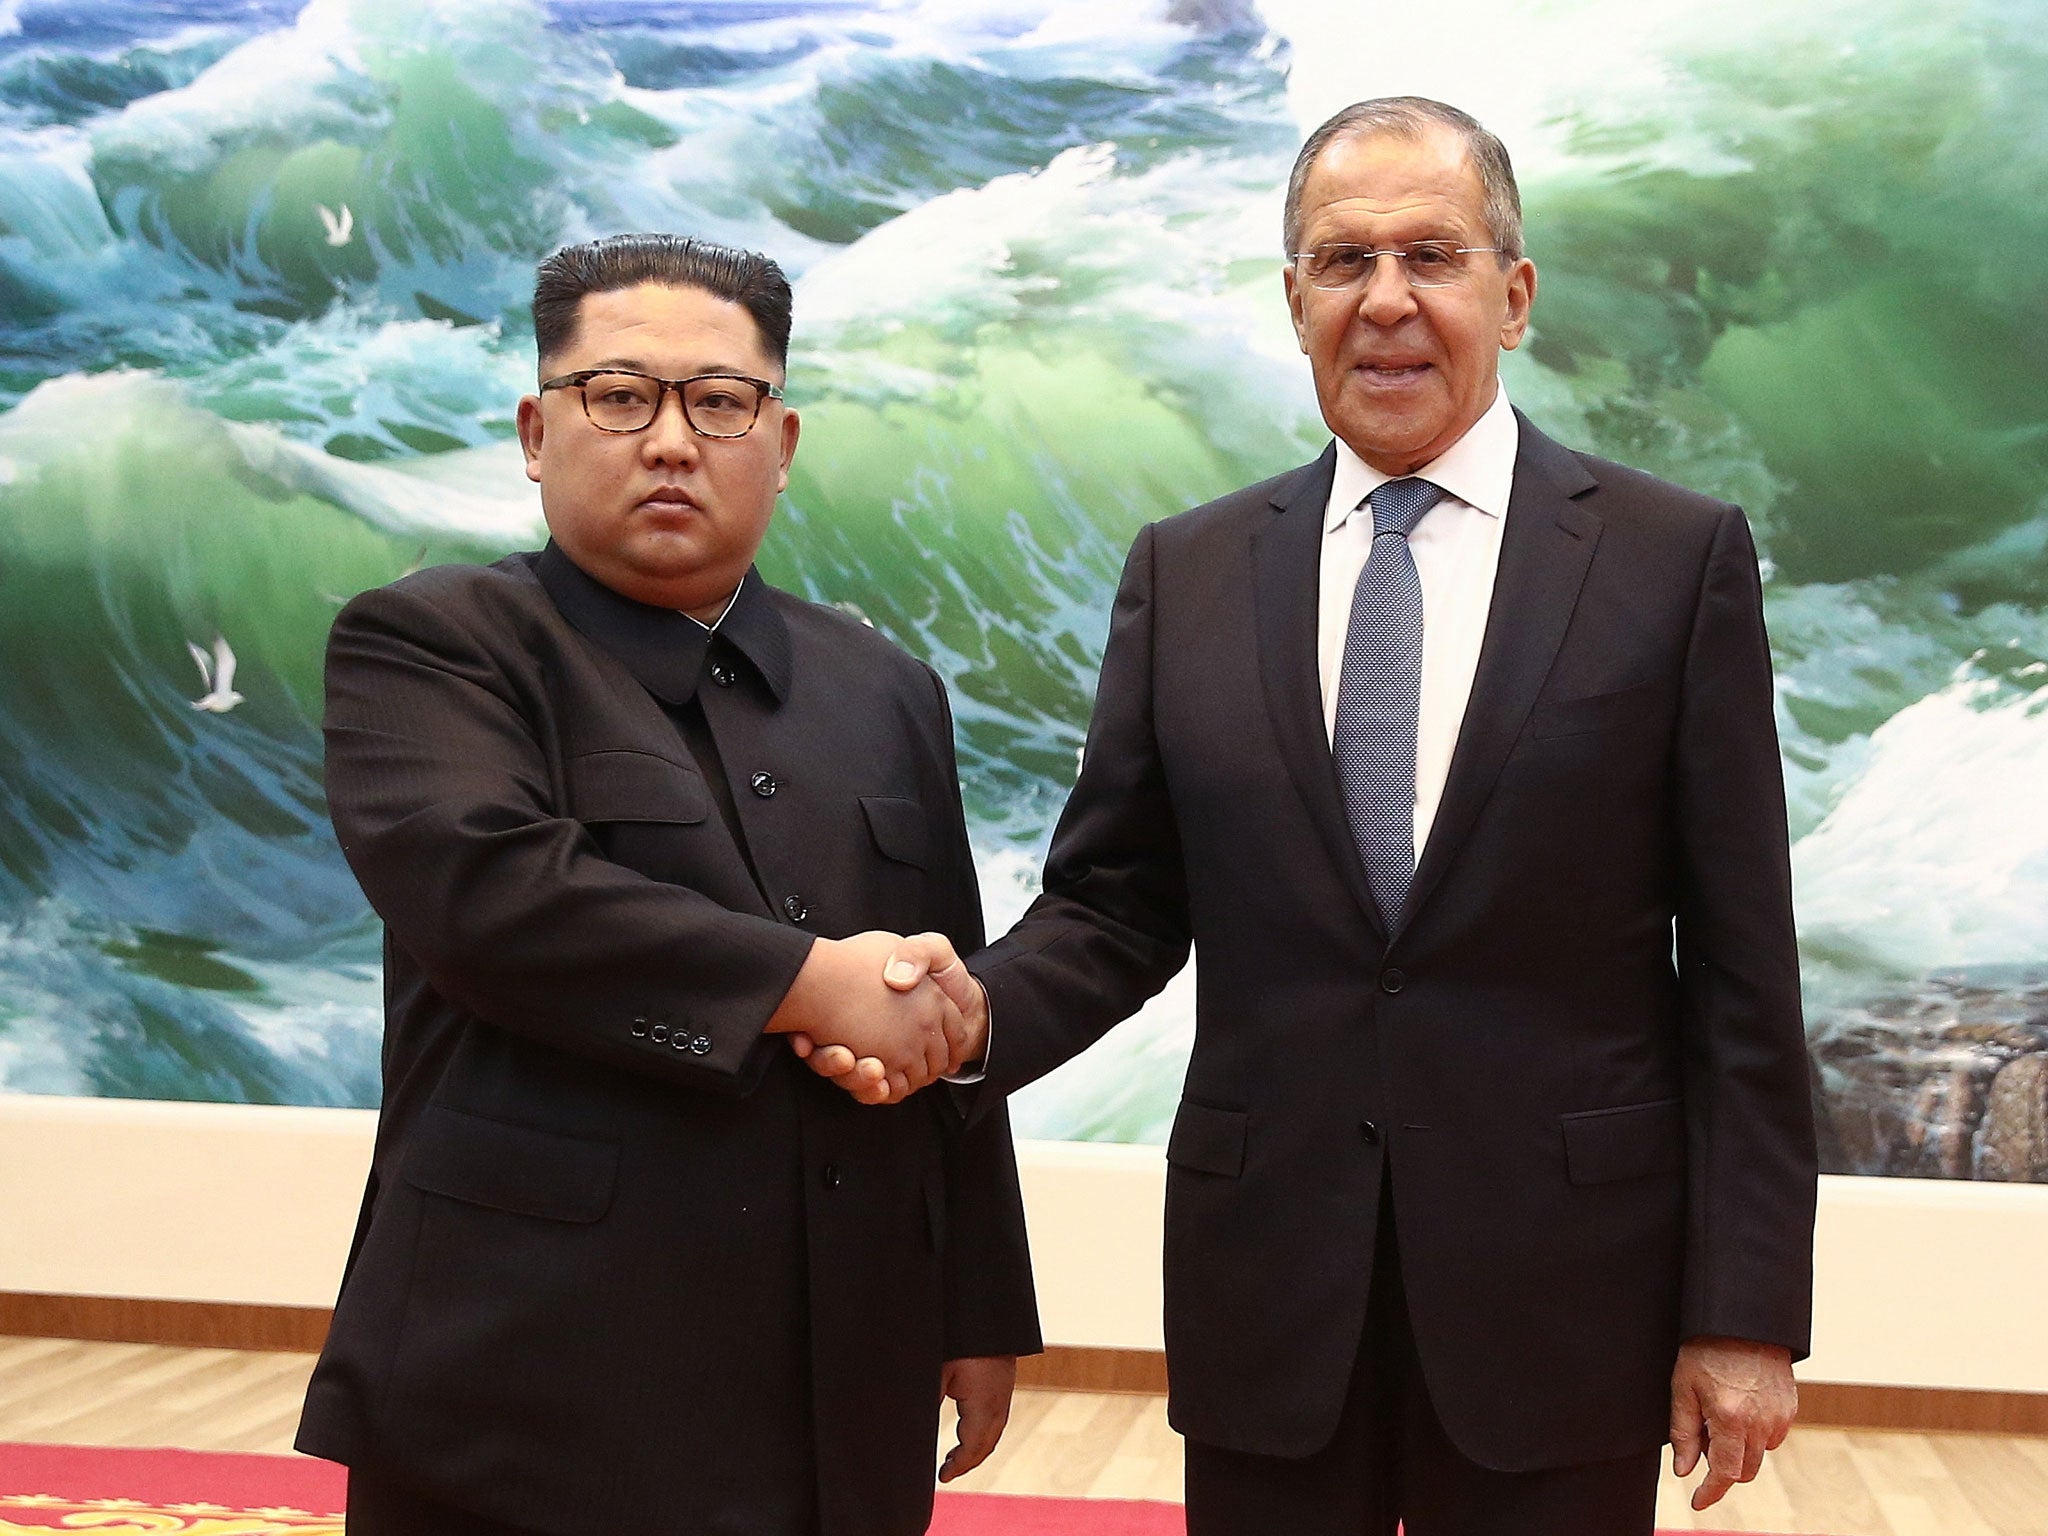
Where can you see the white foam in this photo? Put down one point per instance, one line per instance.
(1938, 855)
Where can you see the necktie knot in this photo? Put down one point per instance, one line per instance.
(1398, 505)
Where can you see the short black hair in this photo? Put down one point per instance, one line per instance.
(1409, 117)
(745, 278)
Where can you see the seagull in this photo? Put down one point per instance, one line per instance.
(217, 675)
(339, 226)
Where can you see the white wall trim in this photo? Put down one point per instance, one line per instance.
(1919, 1283)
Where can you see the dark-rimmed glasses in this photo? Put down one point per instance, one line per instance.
(714, 404)
(1425, 263)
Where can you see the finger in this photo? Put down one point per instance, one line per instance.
(979, 1430)
(803, 1045)
(899, 1087)
(832, 1060)
(913, 957)
(950, 974)
(1724, 1466)
(1685, 1435)
(959, 1039)
(1752, 1456)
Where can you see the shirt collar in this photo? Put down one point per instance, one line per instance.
(1478, 469)
(664, 649)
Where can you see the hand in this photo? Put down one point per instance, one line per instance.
(900, 1040)
(916, 959)
(981, 1386)
(1737, 1399)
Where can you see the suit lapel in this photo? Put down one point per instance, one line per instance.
(1545, 551)
(1286, 555)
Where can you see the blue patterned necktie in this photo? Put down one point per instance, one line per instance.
(1379, 694)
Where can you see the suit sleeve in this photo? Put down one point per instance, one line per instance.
(991, 1305)
(1751, 1153)
(441, 796)
(1112, 926)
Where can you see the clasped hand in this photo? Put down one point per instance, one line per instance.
(883, 1016)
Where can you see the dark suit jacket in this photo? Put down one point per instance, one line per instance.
(624, 1264)
(1600, 1144)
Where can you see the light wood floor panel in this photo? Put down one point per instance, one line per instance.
(1824, 1482)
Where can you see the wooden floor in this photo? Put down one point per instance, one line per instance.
(1839, 1482)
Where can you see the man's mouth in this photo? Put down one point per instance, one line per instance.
(1392, 373)
(668, 498)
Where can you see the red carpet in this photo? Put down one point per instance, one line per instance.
(45, 1488)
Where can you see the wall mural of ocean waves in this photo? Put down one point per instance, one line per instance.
(263, 280)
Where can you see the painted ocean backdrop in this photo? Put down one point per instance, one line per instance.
(263, 281)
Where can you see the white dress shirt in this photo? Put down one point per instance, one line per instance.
(1457, 551)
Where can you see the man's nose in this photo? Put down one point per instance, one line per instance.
(1385, 298)
(668, 438)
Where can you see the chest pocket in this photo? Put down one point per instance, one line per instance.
(635, 786)
(899, 828)
(1596, 712)
(647, 814)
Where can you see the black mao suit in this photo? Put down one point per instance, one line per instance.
(1599, 1130)
(624, 1263)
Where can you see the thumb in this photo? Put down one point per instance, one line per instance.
(1686, 1425)
(916, 957)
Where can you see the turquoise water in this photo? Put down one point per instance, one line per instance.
(1798, 261)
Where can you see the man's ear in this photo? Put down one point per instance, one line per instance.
(1295, 300)
(1521, 296)
(791, 427)
(531, 428)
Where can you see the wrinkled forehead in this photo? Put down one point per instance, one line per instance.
(1394, 184)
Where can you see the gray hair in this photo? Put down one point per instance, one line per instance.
(1410, 117)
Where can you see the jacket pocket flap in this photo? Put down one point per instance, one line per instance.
(510, 1167)
(1208, 1139)
(899, 828)
(1594, 712)
(1630, 1142)
(624, 785)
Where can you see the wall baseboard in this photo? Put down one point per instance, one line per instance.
(139, 1320)
(229, 1325)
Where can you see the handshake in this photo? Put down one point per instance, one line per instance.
(882, 1016)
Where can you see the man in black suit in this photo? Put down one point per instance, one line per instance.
(628, 813)
(1494, 1166)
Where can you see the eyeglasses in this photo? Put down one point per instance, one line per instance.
(1426, 263)
(714, 404)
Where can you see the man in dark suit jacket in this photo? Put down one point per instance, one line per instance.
(1496, 1167)
(626, 812)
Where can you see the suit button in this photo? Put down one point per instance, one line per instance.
(639, 1029)
(794, 909)
(722, 675)
(829, 1176)
(1393, 979)
(680, 1040)
(701, 1046)
(1371, 1132)
(765, 785)
(659, 1034)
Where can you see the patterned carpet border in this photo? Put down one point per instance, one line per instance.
(52, 1488)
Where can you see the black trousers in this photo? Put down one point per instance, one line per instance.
(377, 1506)
(1391, 1466)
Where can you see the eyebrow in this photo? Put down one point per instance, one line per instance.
(635, 365)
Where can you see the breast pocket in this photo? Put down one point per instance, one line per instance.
(899, 828)
(1594, 712)
(645, 812)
